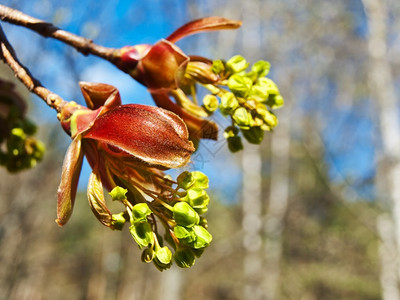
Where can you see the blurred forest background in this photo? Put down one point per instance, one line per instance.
(312, 213)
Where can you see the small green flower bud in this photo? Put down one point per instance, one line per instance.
(198, 199)
(275, 101)
(142, 234)
(218, 66)
(254, 135)
(185, 180)
(203, 222)
(184, 257)
(235, 144)
(203, 237)
(163, 258)
(201, 180)
(118, 193)
(18, 133)
(240, 85)
(237, 64)
(228, 103)
(140, 212)
(29, 127)
(118, 221)
(269, 84)
(259, 92)
(39, 150)
(185, 234)
(185, 215)
(242, 118)
(198, 252)
(147, 255)
(261, 67)
(210, 103)
(270, 119)
(230, 132)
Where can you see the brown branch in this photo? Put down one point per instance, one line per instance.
(7, 54)
(83, 45)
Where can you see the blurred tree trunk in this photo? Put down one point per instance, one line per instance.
(251, 164)
(388, 174)
(251, 222)
(277, 205)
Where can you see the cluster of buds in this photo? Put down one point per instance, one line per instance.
(129, 147)
(18, 148)
(168, 73)
(179, 208)
(248, 102)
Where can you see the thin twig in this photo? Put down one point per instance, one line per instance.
(83, 45)
(7, 54)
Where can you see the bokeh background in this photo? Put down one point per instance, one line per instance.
(312, 213)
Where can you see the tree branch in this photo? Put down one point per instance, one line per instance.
(81, 44)
(7, 54)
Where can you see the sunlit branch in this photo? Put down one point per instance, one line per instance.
(7, 54)
(81, 44)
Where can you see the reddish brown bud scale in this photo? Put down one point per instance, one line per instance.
(154, 135)
(202, 25)
(199, 128)
(100, 94)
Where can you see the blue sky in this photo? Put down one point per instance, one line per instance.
(119, 23)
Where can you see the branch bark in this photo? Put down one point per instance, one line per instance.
(7, 54)
(81, 44)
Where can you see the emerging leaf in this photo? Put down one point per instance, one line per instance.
(96, 200)
(69, 181)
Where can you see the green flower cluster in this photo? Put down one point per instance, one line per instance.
(181, 214)
(248, 102)
(18, 148)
